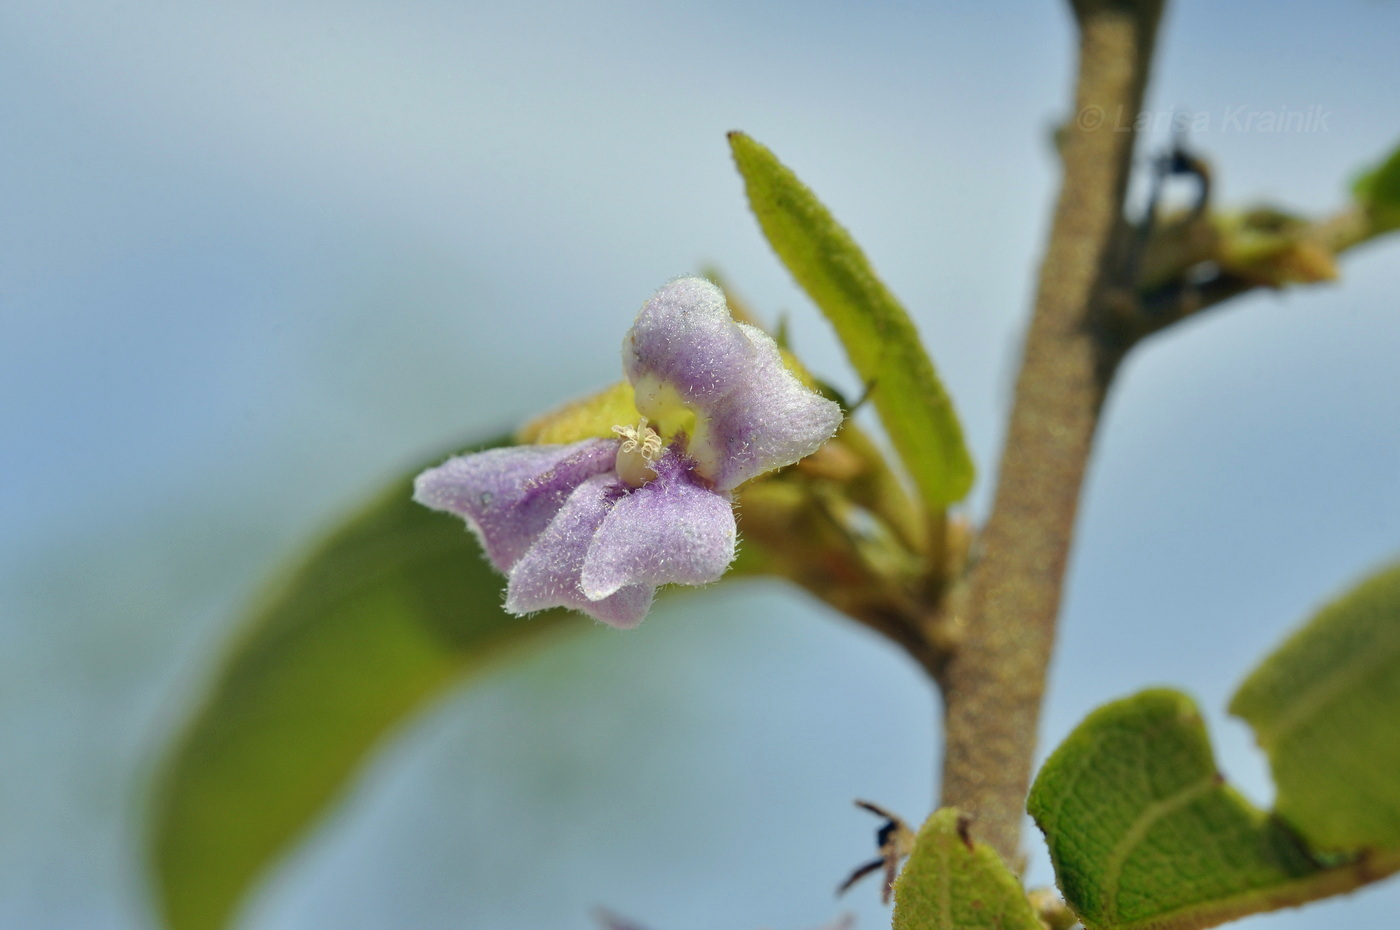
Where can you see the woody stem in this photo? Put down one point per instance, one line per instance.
(993, 683)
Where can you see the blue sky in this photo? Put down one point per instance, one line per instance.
(255, 258)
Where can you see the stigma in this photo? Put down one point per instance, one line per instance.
(640, 447)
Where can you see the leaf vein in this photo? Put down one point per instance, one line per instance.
(1134, 835)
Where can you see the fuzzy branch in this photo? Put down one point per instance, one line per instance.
(993, 683)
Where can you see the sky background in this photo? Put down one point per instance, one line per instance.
(257, 258)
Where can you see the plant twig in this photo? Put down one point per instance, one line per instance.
(1336, 234)
(994, 682)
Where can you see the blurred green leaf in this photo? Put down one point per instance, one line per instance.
(878, 335)
(1145, 834)
(953, 883)
(1326, 709)
(1378, 191)
(382, 615)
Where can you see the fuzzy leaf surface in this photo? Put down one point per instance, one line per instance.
(877, 333)
(1326, 709)
(1144, 833)
(952, 882)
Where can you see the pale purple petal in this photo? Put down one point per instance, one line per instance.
(567, 529)
(769, 420)
(685, 339)
(548, 574)
(509, 495)
(672, 531)
(752, 415)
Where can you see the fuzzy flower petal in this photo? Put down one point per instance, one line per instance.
(508, 496)
(768, 421)
(598, 525)
(673, 530)
(723, 383)
(548, 574)
(685, 341)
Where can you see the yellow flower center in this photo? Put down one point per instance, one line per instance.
(662, 405)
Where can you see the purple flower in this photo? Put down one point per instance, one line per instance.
(598, 525)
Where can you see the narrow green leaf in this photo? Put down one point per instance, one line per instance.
(954, 883)
(1145, 834)
(878, 335)
(1326, 709)
(396, 604)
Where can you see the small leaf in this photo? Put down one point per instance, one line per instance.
(953, 883)
(385, 613)
(1325, 708)
(1378, 191)
(1271, 248)
(879, 337)
(1145, 834)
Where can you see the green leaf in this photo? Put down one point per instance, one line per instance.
(878, 335)
(386, 612)
(954, 883)
(1325, 708)
(1145, 834)
(1378, 191)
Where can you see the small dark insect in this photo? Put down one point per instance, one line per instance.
(894, 840)
(1177, 161)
